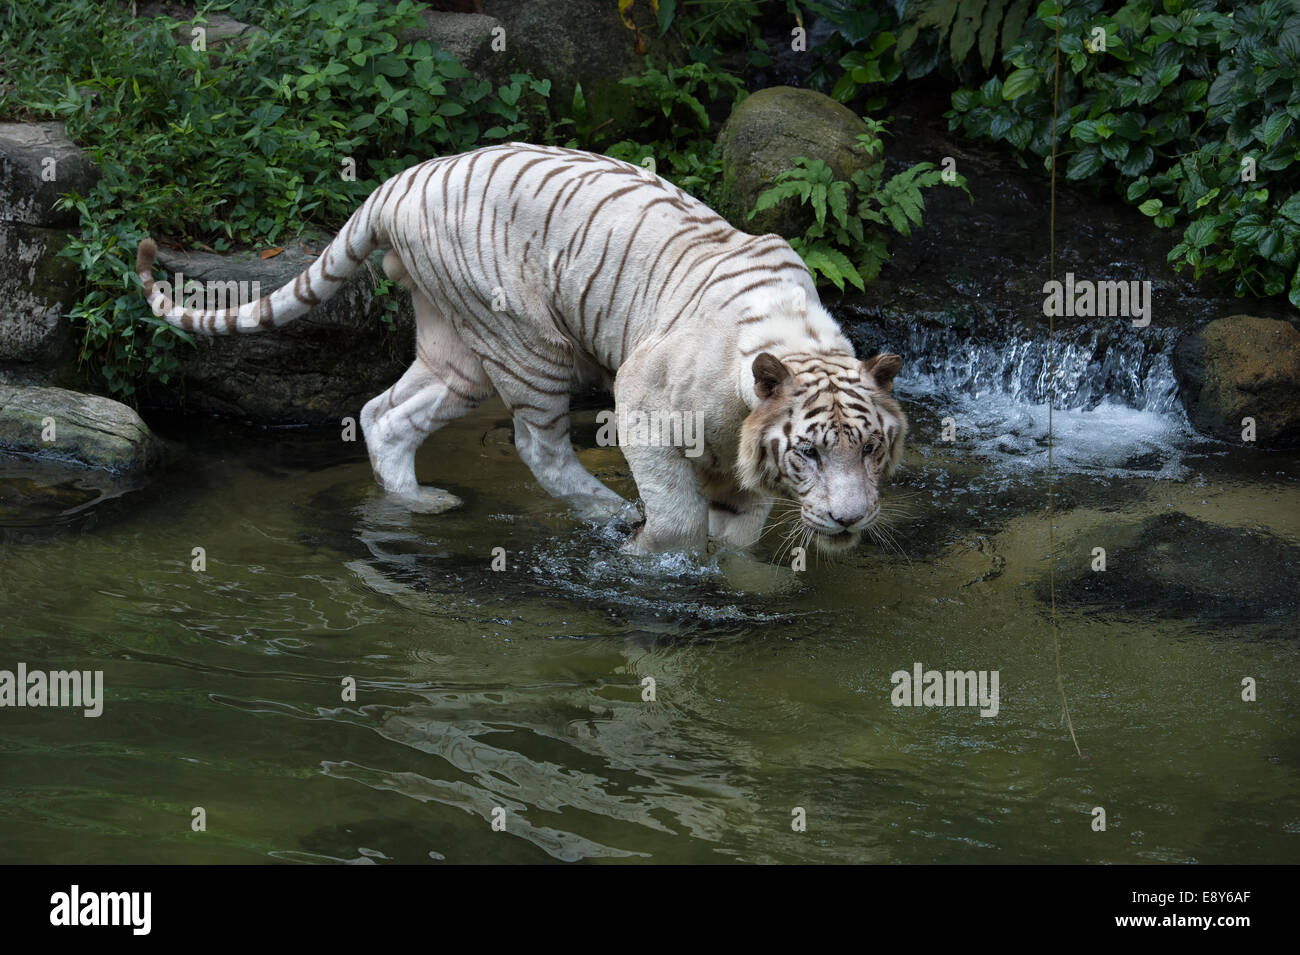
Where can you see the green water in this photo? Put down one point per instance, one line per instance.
(522, 689)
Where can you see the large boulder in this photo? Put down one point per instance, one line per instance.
(582, 41)
(1239, 367)
(765, 133)
(55, 424)
(37, 288)
(38, 163)
(469, 38)
(316, 370)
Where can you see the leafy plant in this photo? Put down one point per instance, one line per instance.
(1188, 112)
(706, 25)
(237, 144)
(967, 26)
(861, 52)
(676, 131)
(847, 239)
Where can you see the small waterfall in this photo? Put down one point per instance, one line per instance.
(1116, 404)
(1116, 363)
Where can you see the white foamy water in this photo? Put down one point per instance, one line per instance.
(1109, 439)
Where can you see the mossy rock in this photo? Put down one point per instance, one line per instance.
(469, 37)
(37, 288)
(38, 164)
(55, 424)
(765, 133)
(1242, 366)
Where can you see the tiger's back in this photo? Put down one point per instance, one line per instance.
(596, 254)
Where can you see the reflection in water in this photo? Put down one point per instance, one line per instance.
(524, 690)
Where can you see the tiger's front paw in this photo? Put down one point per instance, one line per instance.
(600, 508)
(637, 544)
(644, 542)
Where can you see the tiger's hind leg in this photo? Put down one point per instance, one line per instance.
(445, 381)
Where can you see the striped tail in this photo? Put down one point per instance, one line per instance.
(323, 278)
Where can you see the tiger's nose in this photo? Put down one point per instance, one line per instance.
(847, 521)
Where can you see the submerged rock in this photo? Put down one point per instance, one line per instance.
(58, 425)
(39, 497)
(768, 130)
(1241, 367)
(1174, 565)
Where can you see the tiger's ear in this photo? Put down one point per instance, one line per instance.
(769, 375)
(881, 370)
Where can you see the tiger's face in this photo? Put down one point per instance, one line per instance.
(826, 433)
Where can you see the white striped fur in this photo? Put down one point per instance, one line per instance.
(604, 272)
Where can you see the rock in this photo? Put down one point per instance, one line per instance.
(218, 30)
(468, 37)
(87, 430)
(37, 288)
(316, 370)
(226, 30)
(38, 163)
(40, 498)
(1175, 566)
(769, 129)
(1237, 367)
(582, 41)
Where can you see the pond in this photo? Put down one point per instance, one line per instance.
(524, 689)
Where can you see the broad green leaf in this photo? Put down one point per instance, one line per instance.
(1084, 163)
(1019, 83)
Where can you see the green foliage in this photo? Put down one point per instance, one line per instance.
(239, 144)
(1176, 112)
(705, 25)
(877, 43)
(861, 53)
(847, 239)
(676, 139)
(966, 27)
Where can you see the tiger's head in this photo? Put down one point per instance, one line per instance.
(826, 432)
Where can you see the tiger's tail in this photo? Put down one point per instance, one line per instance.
(319, 281)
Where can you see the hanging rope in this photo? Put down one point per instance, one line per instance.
(1051, 390)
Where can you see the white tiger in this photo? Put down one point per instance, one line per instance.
(533, 269)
